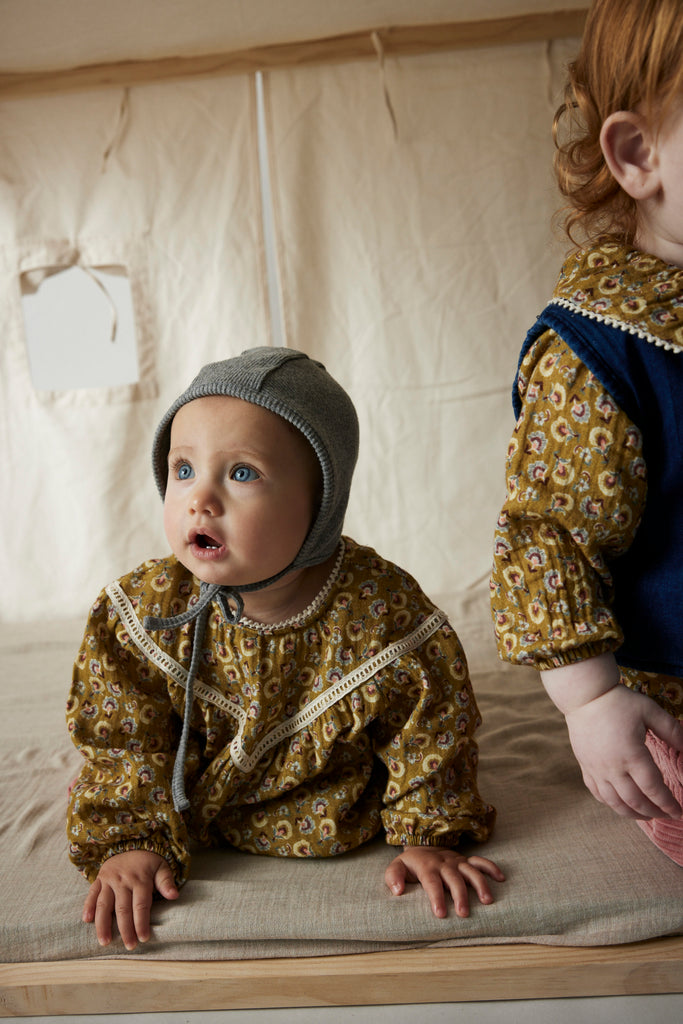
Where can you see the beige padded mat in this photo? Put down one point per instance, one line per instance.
(577, 874)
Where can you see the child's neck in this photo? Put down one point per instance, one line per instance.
(668, 250)
(289, 596)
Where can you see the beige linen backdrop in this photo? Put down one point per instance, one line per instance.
(412, 204)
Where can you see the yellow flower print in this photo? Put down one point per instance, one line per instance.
(538, 471)
(161, 582)
(102, 730)
(601, 438)
(608, 483)
(265, 668)
(282, 830)
(558, 396)
(560, 502)
(273, 687)
(536, 612)
(148, 713)
(581, 411)
(328, 828)
(536, 442)
(633, 305)
(563, 472)
(548, 534)
(209, 811)
(561, 430)
(548, 363)
(609, 284)
(558, 629)
(623, 515)
(509, 642)
(638, 469)
(514, 578)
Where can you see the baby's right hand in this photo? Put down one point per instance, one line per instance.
(125, 886)
(607, 735)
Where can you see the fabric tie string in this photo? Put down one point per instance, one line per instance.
(231, 606)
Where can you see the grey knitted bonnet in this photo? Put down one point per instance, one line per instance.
(300, 390)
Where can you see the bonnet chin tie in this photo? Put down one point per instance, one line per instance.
(232, 613)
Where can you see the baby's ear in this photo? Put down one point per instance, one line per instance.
(630, 153)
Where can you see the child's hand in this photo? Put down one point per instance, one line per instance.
(607, 735)
(125, 886)
(438, 870)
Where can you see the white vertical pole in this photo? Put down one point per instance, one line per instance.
(278, 336)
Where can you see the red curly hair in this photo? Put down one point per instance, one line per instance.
(631, 57)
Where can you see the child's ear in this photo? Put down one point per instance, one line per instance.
(630, 153)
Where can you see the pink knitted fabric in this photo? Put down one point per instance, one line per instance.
(666, 833)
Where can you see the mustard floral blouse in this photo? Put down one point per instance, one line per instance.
(577, 479)
(308, 738)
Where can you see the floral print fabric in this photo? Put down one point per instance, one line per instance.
(576, 477)
(395, 751)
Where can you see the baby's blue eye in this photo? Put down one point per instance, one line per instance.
(244, 474)
(185, 471)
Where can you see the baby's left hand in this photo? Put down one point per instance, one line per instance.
(439, 869)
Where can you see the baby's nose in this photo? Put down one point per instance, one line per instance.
(205, 500)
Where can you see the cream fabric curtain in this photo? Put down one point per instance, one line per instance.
(412, 207)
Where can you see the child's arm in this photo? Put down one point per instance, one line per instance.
(607, 724)
(440, 870)
(124, 887)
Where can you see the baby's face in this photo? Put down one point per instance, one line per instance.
(241, 491)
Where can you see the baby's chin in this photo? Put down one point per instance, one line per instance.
(211, 574)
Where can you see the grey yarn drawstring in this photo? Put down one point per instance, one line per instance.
(200, 613)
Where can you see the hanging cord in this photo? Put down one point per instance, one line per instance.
(379, 50)
(232, 613)
(105, 292)
(122, 118)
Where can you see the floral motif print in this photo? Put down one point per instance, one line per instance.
(577, 479)
(394, 753)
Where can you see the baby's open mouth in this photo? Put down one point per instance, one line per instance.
(202, 540)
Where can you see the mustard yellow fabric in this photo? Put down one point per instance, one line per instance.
(577, 480)
(393, 751)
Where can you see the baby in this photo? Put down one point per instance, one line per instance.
(271, 685)
(588, 578)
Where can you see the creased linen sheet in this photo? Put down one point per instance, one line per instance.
(576, 873)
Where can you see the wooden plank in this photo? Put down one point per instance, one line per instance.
(396, 41)
(458, 974)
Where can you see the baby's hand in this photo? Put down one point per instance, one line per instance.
(607, 735)
(437, 869)
(125, 886)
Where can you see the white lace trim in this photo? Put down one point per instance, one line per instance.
(602, 318)
(244, 761)
(165, 662)
(300, 617)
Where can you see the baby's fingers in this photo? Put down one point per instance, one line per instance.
(487, 866)
(91, 902)
(396, 876)
(652, 792)
(104, 912)
(472, 872)
(640, 794)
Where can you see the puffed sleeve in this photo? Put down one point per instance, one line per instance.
(576, 488)
(427, 745)
(120, 717)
